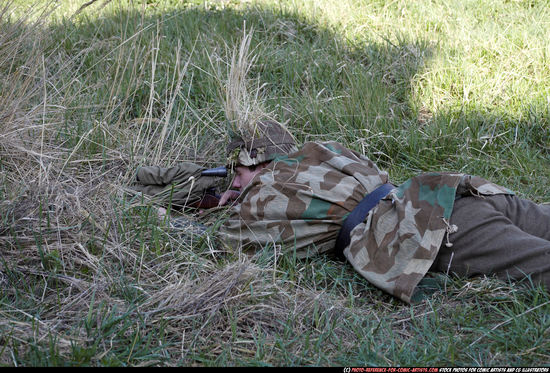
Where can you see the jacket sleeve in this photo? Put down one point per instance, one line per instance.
(162, 176)
(180, 185)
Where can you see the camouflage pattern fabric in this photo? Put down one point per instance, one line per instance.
(180, 185)
(265, 141)
(300, 201)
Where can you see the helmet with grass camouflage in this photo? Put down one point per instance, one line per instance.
(267, 140)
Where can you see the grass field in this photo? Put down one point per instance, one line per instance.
(90, 276)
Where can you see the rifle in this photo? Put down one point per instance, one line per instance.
(210, 198)
(218, 171)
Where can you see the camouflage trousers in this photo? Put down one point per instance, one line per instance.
(502, 235)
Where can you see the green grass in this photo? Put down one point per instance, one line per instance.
(89, 276)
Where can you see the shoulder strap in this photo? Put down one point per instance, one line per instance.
(357, 215)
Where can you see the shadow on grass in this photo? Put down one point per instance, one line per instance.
(324, 87)
(314, 79)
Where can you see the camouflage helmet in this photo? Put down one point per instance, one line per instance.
(268, 140)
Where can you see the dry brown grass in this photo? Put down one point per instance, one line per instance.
(70, 248)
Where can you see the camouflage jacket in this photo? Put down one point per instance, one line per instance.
(300, 201)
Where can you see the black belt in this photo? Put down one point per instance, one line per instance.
(358, 214)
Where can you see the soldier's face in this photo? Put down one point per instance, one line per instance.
(243, 176)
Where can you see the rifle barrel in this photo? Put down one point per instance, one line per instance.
(218, 171)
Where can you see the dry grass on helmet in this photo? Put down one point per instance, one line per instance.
(243, 100)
